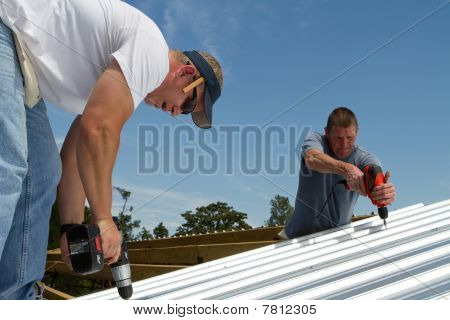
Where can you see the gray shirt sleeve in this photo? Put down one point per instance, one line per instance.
(313, 141)
(365, 158)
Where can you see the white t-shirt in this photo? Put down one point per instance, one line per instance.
(71, 42)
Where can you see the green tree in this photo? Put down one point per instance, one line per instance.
(280, 211)
(217, 216)
(145, 234)
(127, 226)
(160, 231)
(125, 194)
(125, 222)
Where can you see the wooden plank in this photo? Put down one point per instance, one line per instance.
(138, 271)
(53, 294)
(185, 255)
(191, 255)
(252, 235)
(231, 237)
(54, 255)
(357, 218)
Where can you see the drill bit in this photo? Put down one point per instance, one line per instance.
(385, 225)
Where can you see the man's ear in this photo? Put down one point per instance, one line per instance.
(326, 130)
(185, 69)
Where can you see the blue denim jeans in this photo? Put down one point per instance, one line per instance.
(30, 169)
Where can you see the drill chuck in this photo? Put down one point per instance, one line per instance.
(122, 274)
(121, 270)
(122, 277)
(383, 213)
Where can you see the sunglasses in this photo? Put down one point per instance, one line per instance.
(190, 104)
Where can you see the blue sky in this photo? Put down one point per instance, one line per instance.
(275, 54)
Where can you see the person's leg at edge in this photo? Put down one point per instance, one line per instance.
(31, 220)
(13, 146)
(24, 249)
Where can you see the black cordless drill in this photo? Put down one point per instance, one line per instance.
(86, 255)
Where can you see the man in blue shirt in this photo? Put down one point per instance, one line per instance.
(322, 201)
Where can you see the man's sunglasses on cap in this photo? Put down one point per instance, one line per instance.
(203, 118)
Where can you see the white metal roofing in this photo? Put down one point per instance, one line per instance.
(409, 260)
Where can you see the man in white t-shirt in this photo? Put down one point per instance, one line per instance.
(99, 59)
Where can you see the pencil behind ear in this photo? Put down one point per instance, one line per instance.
(194, 84)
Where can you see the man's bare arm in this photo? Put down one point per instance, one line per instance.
(107, 110)
(71, 197)
(318, 161)
(109, 107)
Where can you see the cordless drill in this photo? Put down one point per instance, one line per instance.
(374, 177)
(86, 255)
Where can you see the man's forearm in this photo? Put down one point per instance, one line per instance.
(325, 164)
(70, 197)
(96, 153)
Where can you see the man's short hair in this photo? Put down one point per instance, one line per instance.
(181, 57)
(341, 117)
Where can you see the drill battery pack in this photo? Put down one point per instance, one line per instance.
(86, 254)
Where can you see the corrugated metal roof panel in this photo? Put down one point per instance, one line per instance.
(409, 260)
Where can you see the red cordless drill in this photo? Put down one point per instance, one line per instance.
(374, 177)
